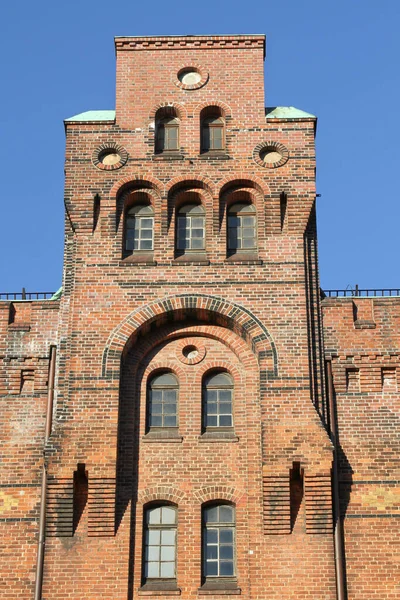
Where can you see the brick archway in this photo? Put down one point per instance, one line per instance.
(225, 313)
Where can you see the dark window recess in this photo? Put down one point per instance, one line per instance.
(81, 488)
(296, 492)
(283, 206)
(96, 211)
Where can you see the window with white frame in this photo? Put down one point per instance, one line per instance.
(139, 229)
(217, 401)
(190, 228)
(218, 541)
(242, 228)
(159, 561)
(163, 401)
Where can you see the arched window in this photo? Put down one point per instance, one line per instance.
(190, 228)
(241, 228)
(212, 133)
(167, 135)
(217, 401)
(163, 401)
(139, 227)
(159, 559)
(218, 541)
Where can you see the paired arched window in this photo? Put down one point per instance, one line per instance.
(162, 401)
(242, 235)
(159, 560)
(190, 228)
(218, 541)
(217, 401)
(139, 229)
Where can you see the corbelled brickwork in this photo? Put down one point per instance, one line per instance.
(125, 317)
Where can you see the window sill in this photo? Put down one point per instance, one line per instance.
(141, 258)
(244, 259)
(164, 589)
(168, 436)
(218, 436)
(192, 258)
(223, 588)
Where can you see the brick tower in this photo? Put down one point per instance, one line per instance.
(189, 451)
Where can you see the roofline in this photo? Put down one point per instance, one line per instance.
(195, 35)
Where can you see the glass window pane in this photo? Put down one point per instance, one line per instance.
(156, 395)
(170, 421)
(212, 395)
(248, 243)
(248, 222)
(212, 552)
(156, 409)
(225, 421)
(168, 569)
(153, 553)
(211, 514)
(155, 421)
(168, 537)
(146, 223)
(226, 552)
(153, 537)
(226, 536)
(225, 408)
(225, 395)
(212, 421)
(169, 409)
(211, 536)
(219, 379)
(197, 233)
(211, 568)
(147, 234)
(170, 396)
(152, 569)
(217, 137)
(211, 408)
(168, 515)
(225, 514)
(226, 568)
(154, 515)
(248, 232)
(168, 553)
(146, 245)
(197, 243)
(198, 222)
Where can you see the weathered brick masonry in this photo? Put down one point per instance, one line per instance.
(126, 316)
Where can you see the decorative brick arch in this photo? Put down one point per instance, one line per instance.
(243, 179)
(218, 492)
(227, 314)
(224, 107)
(186, 181)
(165, 493)
(180, 109)
(136, 181)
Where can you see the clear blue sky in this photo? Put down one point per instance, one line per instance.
(338, 59)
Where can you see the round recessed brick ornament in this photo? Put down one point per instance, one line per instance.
(191, 77)
(270, 155)
(109, 156)
(191, 351)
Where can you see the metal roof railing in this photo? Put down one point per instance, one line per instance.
(26, 295)
(360, 293)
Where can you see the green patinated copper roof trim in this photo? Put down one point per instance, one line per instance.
(286, 112)
(93, 115)
(57, 295)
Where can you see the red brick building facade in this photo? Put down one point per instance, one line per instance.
(185, 417)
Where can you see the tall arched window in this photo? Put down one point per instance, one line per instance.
(218, 542)
(163, 401)
(241, 228)
(190, 228)
(167, 135)
(159, 559)
(139, 228)
(217, 402)
(212, 133)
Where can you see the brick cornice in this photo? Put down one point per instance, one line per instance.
(190, 42)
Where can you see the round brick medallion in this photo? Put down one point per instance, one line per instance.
(191, 77)
(191, 351)
(270, 154)
(109, 156)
